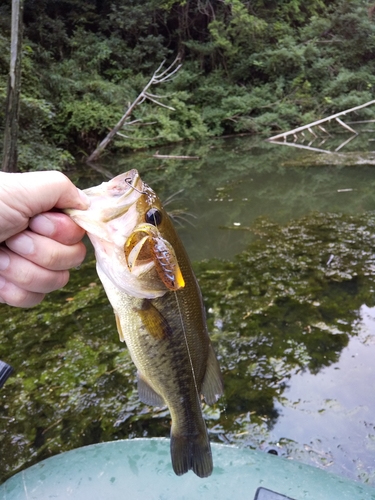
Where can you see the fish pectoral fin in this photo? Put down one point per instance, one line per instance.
(212, 386)
(147, 394)
(154, 322)
(119, 329)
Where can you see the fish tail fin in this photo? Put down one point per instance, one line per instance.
(191, 452)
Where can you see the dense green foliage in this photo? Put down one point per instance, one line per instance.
(252, 67)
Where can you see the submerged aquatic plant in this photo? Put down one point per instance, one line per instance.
(289, 302)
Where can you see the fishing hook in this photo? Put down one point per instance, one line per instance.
(128, 181)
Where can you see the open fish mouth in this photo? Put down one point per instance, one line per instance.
(120, 186)
(109, 201)
(120, 193)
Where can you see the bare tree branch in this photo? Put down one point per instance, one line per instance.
(345, 125)
(157, 78)
(159, 103)
(155, 96)
(309, 126)
(168, 72)
(126, 124)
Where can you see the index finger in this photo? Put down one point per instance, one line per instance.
(57, 226)
(40, 191)
(24, 195)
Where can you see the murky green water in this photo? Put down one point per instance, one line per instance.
(284, 255)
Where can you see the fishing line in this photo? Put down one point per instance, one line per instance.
(187, 347)
(184, 331)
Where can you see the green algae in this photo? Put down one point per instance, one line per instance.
(290, 301)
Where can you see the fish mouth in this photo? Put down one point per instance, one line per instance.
(109, 200)
(120, 186)
(122, 191)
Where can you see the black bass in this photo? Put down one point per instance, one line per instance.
(158, 306)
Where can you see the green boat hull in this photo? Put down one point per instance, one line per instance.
(141, 469)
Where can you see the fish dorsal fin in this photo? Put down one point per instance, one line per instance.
(147, 394)
(212, 386)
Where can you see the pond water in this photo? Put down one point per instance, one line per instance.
(283, 250)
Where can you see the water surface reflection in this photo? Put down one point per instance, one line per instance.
(284, 255)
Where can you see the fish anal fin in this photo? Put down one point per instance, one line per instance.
(154, 322)
(147, 394)
(212, 386)
(119, 329)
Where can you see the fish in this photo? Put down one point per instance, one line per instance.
(148, 278)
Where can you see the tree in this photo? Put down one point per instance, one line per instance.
(158, 77)
(13, 91)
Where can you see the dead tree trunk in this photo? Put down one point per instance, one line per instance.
(318, 123)
(157, 78)
(13, 91)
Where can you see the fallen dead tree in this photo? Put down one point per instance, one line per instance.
(175, 157)
(157, 78)
(297, 133)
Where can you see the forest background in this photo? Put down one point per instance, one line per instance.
(258, 66)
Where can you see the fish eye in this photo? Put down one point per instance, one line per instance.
(154, 217)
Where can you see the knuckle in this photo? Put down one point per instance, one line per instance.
(26, 279)
(18, 297)
(61, 258)
(80, 254)
(52, 259)
(64, 278)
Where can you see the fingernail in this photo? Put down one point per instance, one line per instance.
(43, 225)
(85, 199)
(22, 244)
(4, 261)
(2, 283)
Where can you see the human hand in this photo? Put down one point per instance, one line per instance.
(37, 247)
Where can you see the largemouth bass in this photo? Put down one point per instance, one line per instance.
(157, 302)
